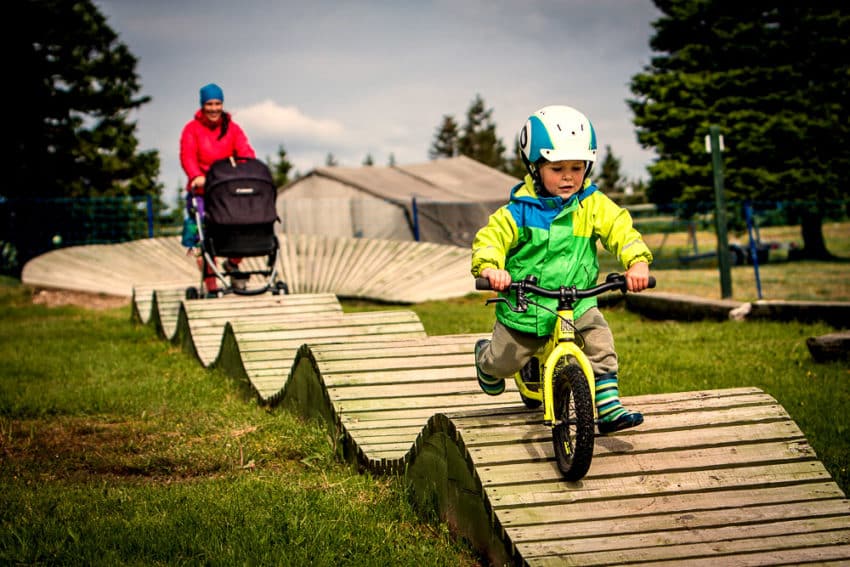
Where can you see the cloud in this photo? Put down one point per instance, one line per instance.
(267, 120)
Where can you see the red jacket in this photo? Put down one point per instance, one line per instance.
(200, 146)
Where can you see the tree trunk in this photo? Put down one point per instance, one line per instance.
(814, 247)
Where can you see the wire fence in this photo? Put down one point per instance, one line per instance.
(32, 226)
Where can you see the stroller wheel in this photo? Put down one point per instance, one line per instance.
(280, 288)
(191, 293)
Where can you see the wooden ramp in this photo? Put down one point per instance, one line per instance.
(385, 270)
(712, 477)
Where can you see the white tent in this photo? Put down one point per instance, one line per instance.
(444, 201)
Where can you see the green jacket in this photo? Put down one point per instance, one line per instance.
(555, 240)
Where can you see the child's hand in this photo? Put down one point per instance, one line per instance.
(637, 277)
(499, 279)
(198, 181)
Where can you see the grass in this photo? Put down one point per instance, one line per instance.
(118, 449)
(780, 279)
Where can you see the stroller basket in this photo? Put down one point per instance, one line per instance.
(240, 240)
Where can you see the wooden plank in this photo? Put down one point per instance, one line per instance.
(818, 512)
(577, 507)
(809, 545)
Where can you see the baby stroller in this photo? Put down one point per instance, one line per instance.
(235, 219)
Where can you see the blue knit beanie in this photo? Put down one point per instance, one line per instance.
(211, 92)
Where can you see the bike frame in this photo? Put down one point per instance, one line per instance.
(561, 343)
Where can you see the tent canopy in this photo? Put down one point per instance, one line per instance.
(444, 200)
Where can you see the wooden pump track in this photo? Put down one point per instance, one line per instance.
(712, 477)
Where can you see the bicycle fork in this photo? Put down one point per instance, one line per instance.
(563, 345)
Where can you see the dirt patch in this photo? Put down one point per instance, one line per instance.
(59, 297)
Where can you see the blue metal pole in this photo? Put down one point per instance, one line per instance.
(415, 221)
(748, 212)
(150, 216)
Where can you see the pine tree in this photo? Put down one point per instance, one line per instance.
(73, 137)
(368, 161)
(514, 165)
(445, 142)
(330, 160)
(773, 77)
(607, 174)
(281, 168)
(478, 139)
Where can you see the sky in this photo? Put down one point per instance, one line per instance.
(376, 77)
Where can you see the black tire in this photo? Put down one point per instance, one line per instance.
(530, 374)
(192, 293)
(573, 434)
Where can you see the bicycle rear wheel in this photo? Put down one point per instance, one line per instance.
(573, 435)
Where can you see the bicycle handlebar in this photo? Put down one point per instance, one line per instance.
(613, 282)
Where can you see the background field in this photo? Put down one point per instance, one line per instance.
(116, 448)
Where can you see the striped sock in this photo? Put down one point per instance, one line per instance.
(608, 405)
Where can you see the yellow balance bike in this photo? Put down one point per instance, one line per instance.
(559, 376)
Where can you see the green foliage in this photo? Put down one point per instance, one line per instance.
(608, 175)
(478, 139)
(514, 165)
(73, 137)
(72, 133)
(280, 168)
(773, 76)
(445, 142)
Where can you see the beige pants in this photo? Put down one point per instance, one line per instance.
(509, 350)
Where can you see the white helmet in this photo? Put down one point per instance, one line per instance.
(557, 133)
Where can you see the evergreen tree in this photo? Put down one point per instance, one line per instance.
(73, 137)
(281, 168)
(391, 160)
(445, 142)
(368, 161)
(773, 77)
(330, 160)
(514, 165)
(607, 174)
(478, 139)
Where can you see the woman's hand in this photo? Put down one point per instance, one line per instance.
(199, 181)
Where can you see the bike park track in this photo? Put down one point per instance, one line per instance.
(712, 477)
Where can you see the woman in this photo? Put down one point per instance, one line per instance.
(210, 136)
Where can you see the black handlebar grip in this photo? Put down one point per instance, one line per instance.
(482, 283)
(651, 281)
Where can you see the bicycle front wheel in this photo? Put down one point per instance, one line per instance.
(573, 434)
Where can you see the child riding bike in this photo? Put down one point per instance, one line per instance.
(550, 229)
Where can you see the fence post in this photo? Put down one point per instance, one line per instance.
(716, 142)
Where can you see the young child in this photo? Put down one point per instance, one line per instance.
(550, 229)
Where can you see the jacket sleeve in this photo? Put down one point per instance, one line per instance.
(492, 242)
(241, 145)
(189, 153)
(618, 234)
